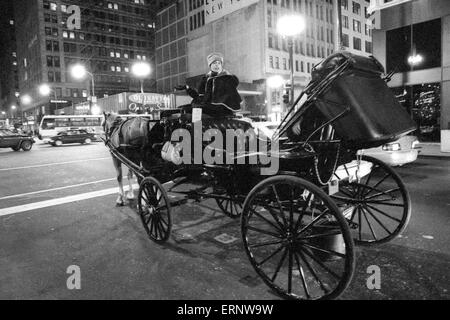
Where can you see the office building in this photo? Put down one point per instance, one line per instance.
(110, 37)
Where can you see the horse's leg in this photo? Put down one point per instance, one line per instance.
(130, 194)
(118, 167)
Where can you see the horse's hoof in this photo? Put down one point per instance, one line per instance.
(130, 195)
(120, 204)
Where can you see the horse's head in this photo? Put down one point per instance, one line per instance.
(110, 122)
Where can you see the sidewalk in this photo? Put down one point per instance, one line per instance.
(432, 150)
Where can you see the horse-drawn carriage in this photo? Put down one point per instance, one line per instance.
(299, 225)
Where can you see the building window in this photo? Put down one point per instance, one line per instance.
(345, 41)
(344, 4)
(271, 62)
(368, 47)
(356, 43)
(277, 63)
(356, 8)
(345, 22)
(356, 26)
(53, 6)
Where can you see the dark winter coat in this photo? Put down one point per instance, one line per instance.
(220, 89)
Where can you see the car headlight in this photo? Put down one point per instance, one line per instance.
(392, 147)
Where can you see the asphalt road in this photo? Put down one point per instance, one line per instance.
(57, 209)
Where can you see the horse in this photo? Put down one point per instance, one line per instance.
(130, 138)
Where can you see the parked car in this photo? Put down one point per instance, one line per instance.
(72, 136)
(265, 128)
(397, 153)
(15, 140)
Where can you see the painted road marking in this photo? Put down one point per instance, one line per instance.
(59, 201)
(54, 164)
(55, 189)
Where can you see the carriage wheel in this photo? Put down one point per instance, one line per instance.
(377, 207)
(154, 210)
(297, 240)
(231, 206)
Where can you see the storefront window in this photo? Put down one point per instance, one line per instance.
(423, 103)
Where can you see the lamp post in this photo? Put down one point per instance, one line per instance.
(79, 72)
(141, 70)
(45, 90)
(289, 26)
(13, 111)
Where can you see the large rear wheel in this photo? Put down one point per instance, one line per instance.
(376, 205)
(297, 240)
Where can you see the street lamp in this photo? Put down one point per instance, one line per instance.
(141, 70)
(289, 26)
(26, 100)
(79, 72)
(45, 90)
(13, 111)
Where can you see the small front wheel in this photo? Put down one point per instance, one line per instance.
(154, 210)
(58, 143)
(87, 141)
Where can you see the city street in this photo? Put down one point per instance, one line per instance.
(57, 209)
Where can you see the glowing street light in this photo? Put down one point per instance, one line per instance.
(26, 99)
(289, 26)
(275, 82)
(44, 90)
(141, 70)
(78, 71)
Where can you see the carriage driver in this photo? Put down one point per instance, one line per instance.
(217, 93)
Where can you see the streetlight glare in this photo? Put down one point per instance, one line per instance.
(291, 25)
(26, 99)
(13, 107)
(78, 71)
(44, 89)
(275, 82)
(141, 69)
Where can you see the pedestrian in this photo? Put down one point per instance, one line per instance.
(217, 94)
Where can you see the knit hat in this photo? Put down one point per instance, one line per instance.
(214, 57)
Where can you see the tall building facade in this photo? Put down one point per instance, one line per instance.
(112, 35)
(9, 85)
(246, 33)
(413, 41)
(357, 26)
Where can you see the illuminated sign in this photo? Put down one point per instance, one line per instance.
(215, 9)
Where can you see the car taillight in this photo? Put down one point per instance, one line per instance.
(392, 147)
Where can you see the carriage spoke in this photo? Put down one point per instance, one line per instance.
(302, 213)
(311, 269)
(275, 217)
(311, 223)
(383, 213)
(279, 204)
(381, 193)
(265, 232)
(302, 274)
(370, 225)
(268, 243)
(320, 263)
(359, 224)
(279, 265)
(320, 235)
(290, 270)
(379, 222)
(271, 255)
(378, 183)
(385, 203)
(266, 220)
(341, 255)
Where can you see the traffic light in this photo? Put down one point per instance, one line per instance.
(286, 97)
